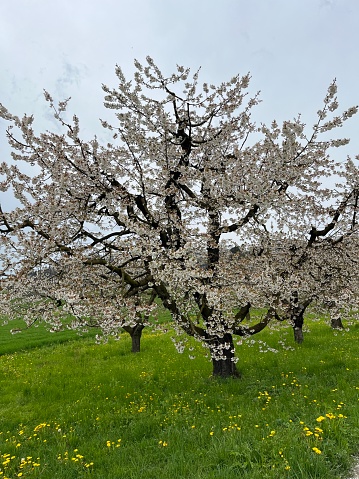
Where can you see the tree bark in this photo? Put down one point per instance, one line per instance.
(297, 311)
(135, 332)
(297, 319)
(222, 352)
(336, 322)
(298, 334)
(335, 316)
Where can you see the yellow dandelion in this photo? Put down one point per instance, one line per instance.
(320, 419)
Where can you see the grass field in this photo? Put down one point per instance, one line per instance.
(78, 409)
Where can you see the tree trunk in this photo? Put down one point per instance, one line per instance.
(298, 334)
(297, 320)
(135, 332)
(297, 311)
(222, 352)
(336, 322)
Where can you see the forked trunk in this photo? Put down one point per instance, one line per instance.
(223, 358)
(135, 332)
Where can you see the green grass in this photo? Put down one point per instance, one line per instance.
(33, 337)
(78, 409)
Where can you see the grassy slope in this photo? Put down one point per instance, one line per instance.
(36, 336)
(85, 410)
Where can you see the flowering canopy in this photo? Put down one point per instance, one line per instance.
(104, 230)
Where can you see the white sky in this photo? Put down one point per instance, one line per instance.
(293, 49)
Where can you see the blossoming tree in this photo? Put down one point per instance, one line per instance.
(321, 271)
(104, 230)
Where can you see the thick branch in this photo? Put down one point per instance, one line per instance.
(235, 226)
(315, 234)
(256, 328)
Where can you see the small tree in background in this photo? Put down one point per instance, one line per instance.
(148, 214)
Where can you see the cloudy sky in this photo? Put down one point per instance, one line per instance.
(293, 49)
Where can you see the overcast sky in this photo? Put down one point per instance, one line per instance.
(293, 49)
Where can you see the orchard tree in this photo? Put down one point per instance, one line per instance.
(319, 272)
(153, 213)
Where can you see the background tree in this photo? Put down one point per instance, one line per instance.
(148, 214)
(318, 270)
